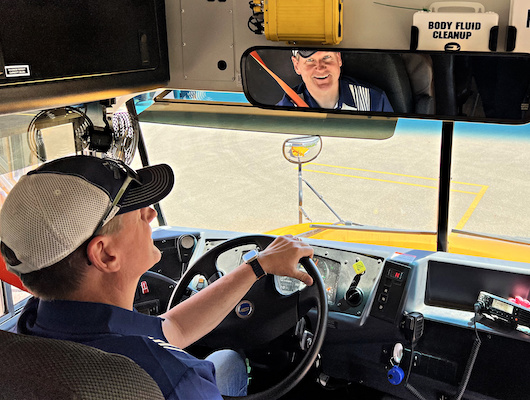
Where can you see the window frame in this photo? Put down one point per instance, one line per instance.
(11, 309)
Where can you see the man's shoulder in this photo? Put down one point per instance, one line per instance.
(80, 321)
(130, 334)
(286, 101)
(348, 80)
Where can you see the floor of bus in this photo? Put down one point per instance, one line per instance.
(309, 389)
(313, 391)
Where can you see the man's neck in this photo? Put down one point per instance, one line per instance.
(106, 293)
(327, 99)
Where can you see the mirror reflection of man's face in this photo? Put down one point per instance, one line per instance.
(320, 71)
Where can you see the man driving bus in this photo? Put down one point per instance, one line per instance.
(77, 232)
(324, 87)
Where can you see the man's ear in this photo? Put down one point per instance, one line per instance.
(339, 58)
(295, 65)
(101, 255)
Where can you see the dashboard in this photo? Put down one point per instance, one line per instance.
(372, 291)
(336, 268)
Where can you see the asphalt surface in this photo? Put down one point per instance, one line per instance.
(239, 180)
(235, 180)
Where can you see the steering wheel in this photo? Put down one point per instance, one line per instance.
(263, 314)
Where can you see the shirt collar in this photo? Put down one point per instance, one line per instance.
(64, 318)
(345, 97)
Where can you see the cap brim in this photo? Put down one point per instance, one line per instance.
(304, 53)
(157, 182)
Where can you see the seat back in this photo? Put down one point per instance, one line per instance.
(38, 368)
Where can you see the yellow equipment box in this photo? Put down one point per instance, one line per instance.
(303, 21)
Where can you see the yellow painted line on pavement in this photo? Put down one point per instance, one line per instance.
(370, 179)
(369, 170)
(472, 207)
(478, 195)
(470, 184)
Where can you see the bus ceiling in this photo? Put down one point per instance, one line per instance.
(68, 54)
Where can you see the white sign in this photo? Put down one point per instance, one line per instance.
(520, 19)
(455, 31)
(16, 71)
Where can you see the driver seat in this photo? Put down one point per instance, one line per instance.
(38, 368)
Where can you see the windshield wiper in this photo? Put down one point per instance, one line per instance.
(511, 239)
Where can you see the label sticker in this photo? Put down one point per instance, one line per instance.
(16, 71)
(359, 267)
(145, 287)
(403, 257)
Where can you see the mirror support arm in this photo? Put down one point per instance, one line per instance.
(131, 108)
(444, 185)
(300, 195)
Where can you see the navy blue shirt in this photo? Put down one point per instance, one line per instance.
(116, 330)
(353, 95)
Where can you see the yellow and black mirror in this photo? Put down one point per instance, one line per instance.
(303, 149)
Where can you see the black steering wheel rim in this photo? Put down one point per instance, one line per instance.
(206, 266)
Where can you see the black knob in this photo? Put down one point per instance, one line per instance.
(354, 296)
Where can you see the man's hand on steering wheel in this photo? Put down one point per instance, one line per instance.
(271, 313)
(281, 257)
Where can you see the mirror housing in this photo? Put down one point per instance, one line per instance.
(302, 150)
(451, 86)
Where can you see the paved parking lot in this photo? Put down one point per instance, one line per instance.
(237, 180)
(240, 181)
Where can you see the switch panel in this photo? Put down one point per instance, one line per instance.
(390, 295)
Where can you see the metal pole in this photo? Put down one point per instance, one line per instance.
(444, 184)
(131, 108)
(300, 194)
(320, 197)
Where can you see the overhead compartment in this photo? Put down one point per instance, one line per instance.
(63, 52)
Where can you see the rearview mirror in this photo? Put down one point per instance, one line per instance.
(486, 87)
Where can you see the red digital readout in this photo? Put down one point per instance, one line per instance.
(392, 273)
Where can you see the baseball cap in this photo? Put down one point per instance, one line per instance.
(55, 208)
(304, 53)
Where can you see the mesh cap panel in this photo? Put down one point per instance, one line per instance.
(51, 217)
(53, 209)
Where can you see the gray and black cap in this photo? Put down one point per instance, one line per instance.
(55, 208)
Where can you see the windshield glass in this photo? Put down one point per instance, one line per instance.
(240, 181)
(490, 190)
(235, 180)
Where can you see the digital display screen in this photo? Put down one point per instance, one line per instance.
(499, 305)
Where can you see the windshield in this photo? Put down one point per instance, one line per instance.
(240, 181)
(490, 188)
(234, 180)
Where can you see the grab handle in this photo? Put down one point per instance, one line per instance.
(435, 7)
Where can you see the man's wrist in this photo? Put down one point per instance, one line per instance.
(251, 258)
(257, 268)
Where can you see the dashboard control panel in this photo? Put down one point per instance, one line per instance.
(176, 251)
(390, 295)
